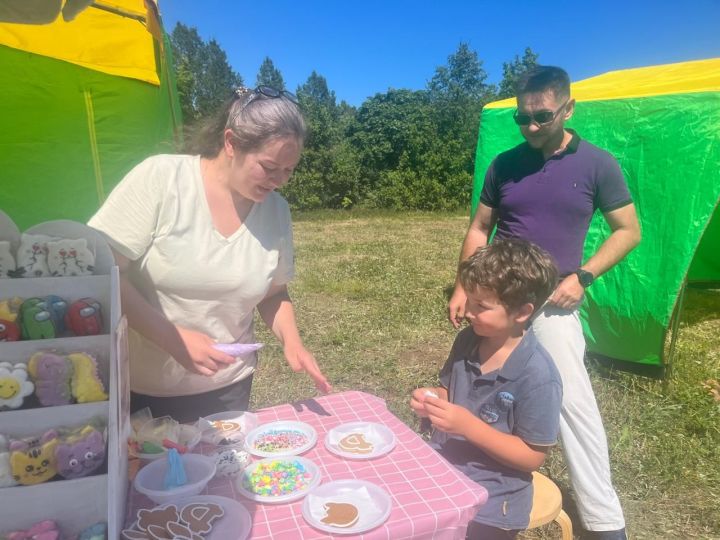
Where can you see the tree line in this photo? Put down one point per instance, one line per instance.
(400, 149)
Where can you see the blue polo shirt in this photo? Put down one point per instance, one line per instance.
(552, 202)
(521, 398)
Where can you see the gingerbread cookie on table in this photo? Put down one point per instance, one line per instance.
(341, 514)
(355, 443)
(192, 522)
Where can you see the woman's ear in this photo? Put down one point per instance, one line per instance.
(524, 312)
(228, 140)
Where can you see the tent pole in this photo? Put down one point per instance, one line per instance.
(674, 330)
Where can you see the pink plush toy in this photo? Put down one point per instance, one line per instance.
(44, 530)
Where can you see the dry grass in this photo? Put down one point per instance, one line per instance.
(370, 295)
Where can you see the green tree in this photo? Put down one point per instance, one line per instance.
(269, 75)
(204, 76)
(327, 175)
(513, 70)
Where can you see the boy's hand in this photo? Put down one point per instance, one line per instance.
(447, 416)
(418, 398)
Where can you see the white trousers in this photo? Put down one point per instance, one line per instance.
(581, 429)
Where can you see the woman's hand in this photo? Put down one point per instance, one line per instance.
(195, 351)
(300, 359)
(446, 416)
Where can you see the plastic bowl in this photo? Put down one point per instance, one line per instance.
(198, 469)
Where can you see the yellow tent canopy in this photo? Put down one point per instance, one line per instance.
(123, 27)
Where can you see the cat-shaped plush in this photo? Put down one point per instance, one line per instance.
(7, 261)
(31, 260)
(68, 257)
(80, 454)
(6, 477)
(32, 461)
(52, 375)
(14, 385)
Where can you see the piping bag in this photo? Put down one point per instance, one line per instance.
(237, 349)
(175, 473)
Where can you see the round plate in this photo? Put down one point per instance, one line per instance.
(261, 433)
(380, 438)
(308, 465)
(372, 502)
(235, 524)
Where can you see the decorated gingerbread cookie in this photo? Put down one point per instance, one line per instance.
(200, 516)
(355, 443)
(340, 514)
(192, 522)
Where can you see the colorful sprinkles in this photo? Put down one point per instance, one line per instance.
(277, 477)
(280, 440)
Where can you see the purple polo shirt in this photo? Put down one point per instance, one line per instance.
(552, 202)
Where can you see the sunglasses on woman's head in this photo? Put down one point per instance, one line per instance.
(263, 92)
(541, 118)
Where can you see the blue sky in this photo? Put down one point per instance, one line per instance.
(363, 48)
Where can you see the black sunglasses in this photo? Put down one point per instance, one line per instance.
(263, 92)
(541, 118)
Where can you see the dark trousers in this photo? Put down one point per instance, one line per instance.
(480, 531)
(185, 409)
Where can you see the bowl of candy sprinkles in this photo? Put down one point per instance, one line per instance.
(282, 438)
(278, 480)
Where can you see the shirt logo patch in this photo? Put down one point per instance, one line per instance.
(489, 414)
(505, 400)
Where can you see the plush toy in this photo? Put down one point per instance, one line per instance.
(32, 461)
(86, 384)
(10, 308)
(81, 453)
(83, 317)
(6, 477)
(52, 375)
(68, 257)
(7, 261)
(9, 331)
(57, 307)
(44, 530)
(32, 256)
(94, 532)
(14, 385)
(35, 320)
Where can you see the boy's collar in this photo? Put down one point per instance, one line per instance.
(515, 364)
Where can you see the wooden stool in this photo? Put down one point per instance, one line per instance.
(547, 506)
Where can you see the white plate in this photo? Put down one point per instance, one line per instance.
(232, 423)
(308, 465)
(256, 436)
(372, 502)
(235, 524)
(378, 435)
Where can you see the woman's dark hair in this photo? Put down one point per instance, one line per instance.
(253, 119)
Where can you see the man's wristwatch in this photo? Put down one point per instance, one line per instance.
(584, 277)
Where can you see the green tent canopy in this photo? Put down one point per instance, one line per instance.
(663, 125)
(84, 99)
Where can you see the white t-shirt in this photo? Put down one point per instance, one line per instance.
(158, 217)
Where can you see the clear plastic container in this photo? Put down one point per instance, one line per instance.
(198, 469)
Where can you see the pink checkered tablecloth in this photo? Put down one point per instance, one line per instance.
(430, 498)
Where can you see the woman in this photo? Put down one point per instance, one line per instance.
(201, 241)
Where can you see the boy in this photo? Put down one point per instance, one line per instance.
(497, 412)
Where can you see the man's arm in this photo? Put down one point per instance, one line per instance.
(477, 236)
(625, 236)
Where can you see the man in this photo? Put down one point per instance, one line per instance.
(546, 191)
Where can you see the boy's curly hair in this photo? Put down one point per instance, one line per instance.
(516, 270)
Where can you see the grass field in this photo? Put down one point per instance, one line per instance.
(370, 294)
